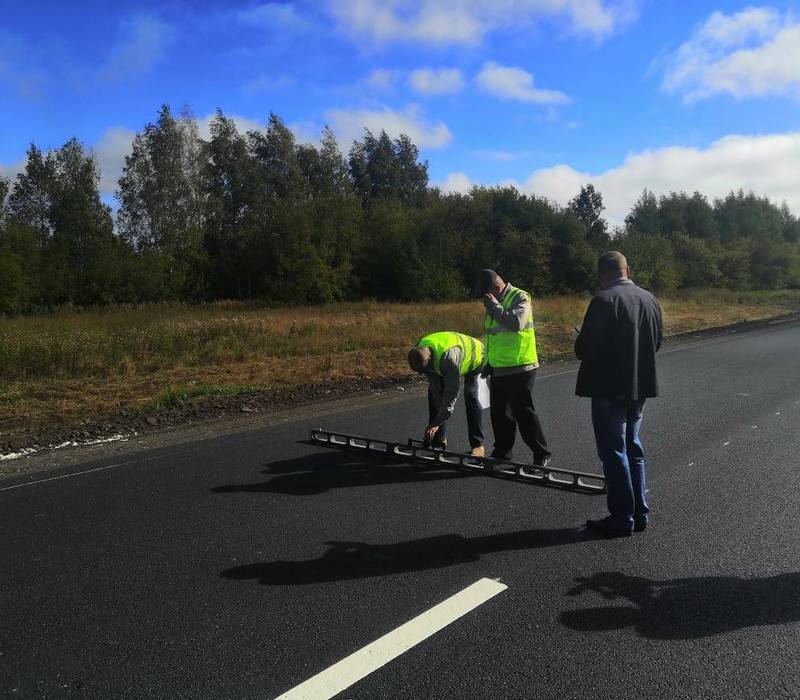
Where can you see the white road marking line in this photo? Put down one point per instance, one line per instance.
(777, 413)
(724, 444)
(100, 469)
(691, 464)
(56, 478)
(353, 668)
(754, 427)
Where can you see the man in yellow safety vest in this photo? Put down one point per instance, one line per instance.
(512, 360)
(445, 357)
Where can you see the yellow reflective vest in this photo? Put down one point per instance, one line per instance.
(473, 353)
(507, 348)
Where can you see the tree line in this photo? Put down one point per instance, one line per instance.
(260, 216)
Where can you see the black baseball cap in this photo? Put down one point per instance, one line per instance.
(484, 281)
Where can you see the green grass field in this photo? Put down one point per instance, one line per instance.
(69, 365)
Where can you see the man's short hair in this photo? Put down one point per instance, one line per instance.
(612, 262)
(419, 358)
(484, 281)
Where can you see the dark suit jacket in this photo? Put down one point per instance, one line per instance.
(618, 342)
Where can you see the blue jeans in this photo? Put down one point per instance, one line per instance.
(616, 431)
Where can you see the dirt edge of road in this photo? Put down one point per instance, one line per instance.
(209, 417)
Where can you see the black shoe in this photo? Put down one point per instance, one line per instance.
(639, 526)
(608, 528)
(504, 456)
(541, 463)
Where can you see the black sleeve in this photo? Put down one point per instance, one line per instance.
(660, 329)
(596, 329)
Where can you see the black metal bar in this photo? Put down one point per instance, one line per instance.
(417, 452)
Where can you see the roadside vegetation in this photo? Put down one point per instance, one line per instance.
(61, 368)
(260, 216)
(111, 311)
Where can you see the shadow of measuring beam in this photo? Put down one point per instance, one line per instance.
(333, 469)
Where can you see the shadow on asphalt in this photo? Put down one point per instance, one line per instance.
(686, 608)
(349, 560)
(323, 471)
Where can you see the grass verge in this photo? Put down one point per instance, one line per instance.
(68, 367)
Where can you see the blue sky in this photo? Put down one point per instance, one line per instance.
(544, 94)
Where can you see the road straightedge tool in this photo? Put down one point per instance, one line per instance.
(418, 453)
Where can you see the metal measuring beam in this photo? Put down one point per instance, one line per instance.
(414, 451)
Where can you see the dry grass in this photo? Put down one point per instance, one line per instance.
(61, 368)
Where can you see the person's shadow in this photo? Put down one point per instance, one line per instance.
(333, 469)
(686, 608)
(349, 560)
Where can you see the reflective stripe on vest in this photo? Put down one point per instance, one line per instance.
(507, 348)
(473, 355)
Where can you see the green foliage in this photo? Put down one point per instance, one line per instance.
(652, 262)
(574, 260)
(644, 217)
(161, 201)
(13, 284)
(390, 264)
(734, 264)
(260, 216)
(696, 262)
(382, 169)
(587, 206)
(176, 395)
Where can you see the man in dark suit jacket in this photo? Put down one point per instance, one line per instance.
(617, 346)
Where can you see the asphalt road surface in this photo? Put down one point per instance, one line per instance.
(242, 566)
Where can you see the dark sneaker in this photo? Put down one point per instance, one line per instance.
(639, 525)
(439, 444)
(608, 528)
(541, 463)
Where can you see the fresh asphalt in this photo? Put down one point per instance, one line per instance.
(241, 566)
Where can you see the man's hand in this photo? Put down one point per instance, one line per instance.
(430, 433)
(490, 298)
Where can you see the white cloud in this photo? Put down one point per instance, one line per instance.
(447, 22)
(11, 170)
(436, 81)
(349, 125)
(306, 132)
(142, 44)
(382, 79)
(512, 83)
(768, 165)
(753, 53)
(458, 183)
(110, 151)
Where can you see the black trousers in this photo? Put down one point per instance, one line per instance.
(512, 406)
(474, 411)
